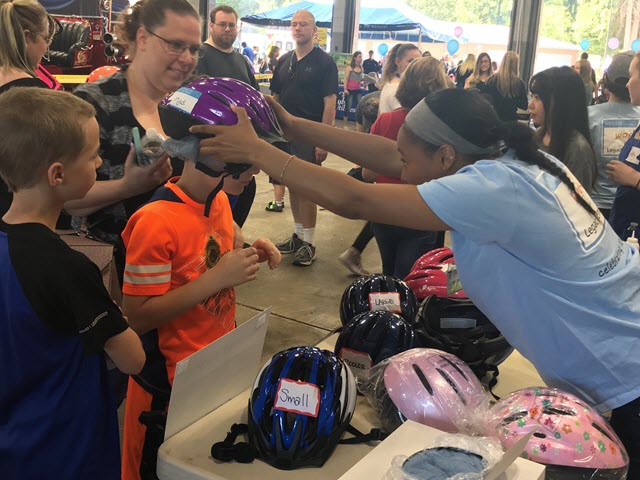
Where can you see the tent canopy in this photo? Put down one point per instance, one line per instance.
(383, 19)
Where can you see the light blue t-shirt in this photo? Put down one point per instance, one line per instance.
(562, 288)
(611, 125)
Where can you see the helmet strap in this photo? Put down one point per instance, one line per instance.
(358, 437)
(228, 450)
(212, 195)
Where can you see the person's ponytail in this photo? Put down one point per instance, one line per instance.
(520, 138)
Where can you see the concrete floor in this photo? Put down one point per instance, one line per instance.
(305, 300)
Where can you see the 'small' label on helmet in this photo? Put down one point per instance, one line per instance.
(389, 301)
(358, 361)
(297, 397)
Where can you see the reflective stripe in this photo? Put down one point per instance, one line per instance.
(159, 279)
(148, 268)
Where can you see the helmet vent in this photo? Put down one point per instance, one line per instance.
(453, 385)
(422, 378)
(602, 431)
(558, 411)
(515, 417)
(454, 366)
(539, 435)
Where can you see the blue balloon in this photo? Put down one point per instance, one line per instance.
(383, 48)
(585, 44)
(635, 45)
(452, 46)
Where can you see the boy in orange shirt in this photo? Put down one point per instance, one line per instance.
(179, 279)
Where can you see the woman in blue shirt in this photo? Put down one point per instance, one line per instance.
(532, 250)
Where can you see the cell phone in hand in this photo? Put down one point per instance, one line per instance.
(137, 145)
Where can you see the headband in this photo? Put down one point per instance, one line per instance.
(428, 127)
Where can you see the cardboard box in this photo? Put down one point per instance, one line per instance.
(99, 253)
(412, 437)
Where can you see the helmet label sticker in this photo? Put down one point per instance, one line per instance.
(184, 99)
(389, 301)
(453, 322)
(358, 361)
(297, 397)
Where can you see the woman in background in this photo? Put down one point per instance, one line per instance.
(397, 61)
(353, 78)
(481, 73)
(465, 70)
(505, 90)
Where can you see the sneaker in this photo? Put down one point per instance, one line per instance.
(305, 255)
(290, 245)
(274, 207)
(351, 259)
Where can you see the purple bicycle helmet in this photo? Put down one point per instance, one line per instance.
(208, 100)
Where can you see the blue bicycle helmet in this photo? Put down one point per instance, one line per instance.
(371, 337)
(378, 292)
(301, 403)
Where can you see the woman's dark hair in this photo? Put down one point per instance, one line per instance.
(472, 117)
(565, 112)
(149, 14)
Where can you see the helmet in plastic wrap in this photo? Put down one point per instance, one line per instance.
(572, 439)
(431, 387)
(371, 337)
(378, 292)
(301, 403)
(208, 101)
(457, 326)
(428, 275)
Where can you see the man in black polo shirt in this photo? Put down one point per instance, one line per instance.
(305, 82)
(218, 59)
(371, 67)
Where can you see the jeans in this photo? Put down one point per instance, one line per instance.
(401, 247)
(353, 94)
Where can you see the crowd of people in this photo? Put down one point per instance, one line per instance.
(538, 217)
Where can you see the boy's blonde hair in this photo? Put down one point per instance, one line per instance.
(39, 127)
(15, 17)
(421, 78)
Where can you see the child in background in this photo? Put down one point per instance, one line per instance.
(56, 410)
(179, 279)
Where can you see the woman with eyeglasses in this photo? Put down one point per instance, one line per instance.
(26, 31)
(163, 39)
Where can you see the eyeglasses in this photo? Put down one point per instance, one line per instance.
(225, 25)
(48, 39)
(292, 66)
(178, 47)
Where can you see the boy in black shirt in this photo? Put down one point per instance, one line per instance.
(57, 414)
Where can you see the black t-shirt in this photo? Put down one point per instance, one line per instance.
(303, 84)
(63, 287)
(371, 66)
(217, 63)
(506, 107)
(5, 195)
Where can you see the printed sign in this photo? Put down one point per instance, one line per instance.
(184, 99)
(389, 301)
(615, 134)
(297, 397)
(358, 361)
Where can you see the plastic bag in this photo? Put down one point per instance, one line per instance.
(451, 457)
(428, 386)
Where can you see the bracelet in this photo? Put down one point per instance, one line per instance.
(637, 183)
(284, 169)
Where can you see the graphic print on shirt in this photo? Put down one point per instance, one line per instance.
(219, 304)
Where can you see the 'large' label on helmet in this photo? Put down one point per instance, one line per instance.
(297, 397)
(184, 99)
(389, 301)
(358, 361)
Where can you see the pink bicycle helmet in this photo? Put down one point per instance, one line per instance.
(431, 387)
(428, 275)
(572, 439)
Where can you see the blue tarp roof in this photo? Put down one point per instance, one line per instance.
(390, 19)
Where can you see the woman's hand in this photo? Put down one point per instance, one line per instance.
(284, 118)
(622, 174)
(231, 144)
(267, 252)
(143, 179)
